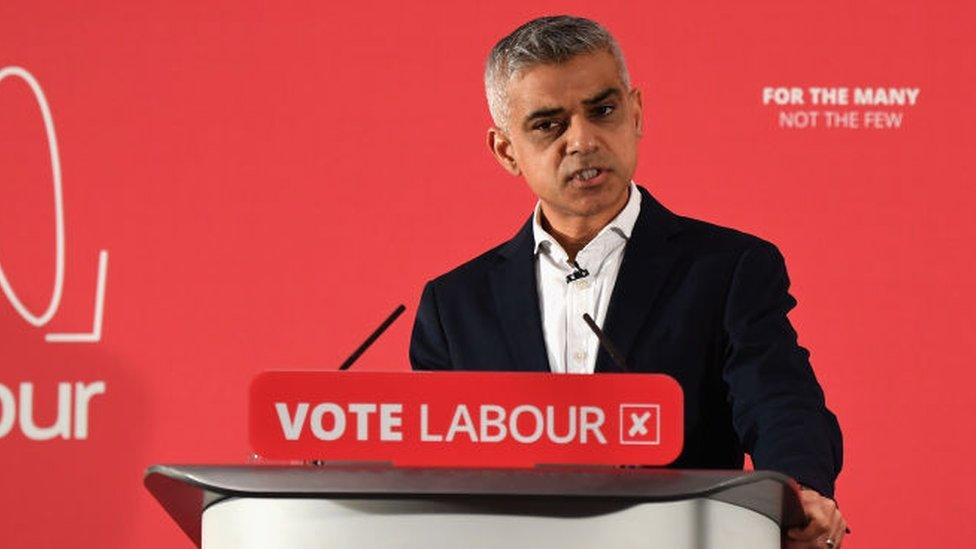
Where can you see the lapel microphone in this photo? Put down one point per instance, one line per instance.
(579, 273)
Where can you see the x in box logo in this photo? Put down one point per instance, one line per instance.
(640, 424)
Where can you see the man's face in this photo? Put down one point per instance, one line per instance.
(565, 121)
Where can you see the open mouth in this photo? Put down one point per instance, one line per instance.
(588, 175)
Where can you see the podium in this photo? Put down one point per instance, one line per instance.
(366, 506)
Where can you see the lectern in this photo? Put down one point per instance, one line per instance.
(365, 506)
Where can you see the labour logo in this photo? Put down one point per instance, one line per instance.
(6, 287)
(640, 424)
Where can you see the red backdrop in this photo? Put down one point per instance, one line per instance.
(270, 179)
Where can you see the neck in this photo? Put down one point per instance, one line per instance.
(572, 239)
(573, 233)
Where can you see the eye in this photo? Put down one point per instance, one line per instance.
(604, 110)
(546, 126)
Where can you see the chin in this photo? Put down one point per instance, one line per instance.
(592, 206)
(592, 201)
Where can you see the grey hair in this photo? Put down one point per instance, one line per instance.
(543, 41)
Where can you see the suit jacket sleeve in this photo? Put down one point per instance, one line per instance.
(778, 407)
(428, 344)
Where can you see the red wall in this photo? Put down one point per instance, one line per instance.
(270, 179)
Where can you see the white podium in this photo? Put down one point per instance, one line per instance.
(378, 506)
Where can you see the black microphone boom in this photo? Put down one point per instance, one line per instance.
(372, 337)
(606, 343)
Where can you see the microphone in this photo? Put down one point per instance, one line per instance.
(579, 273)
(359, 352)
(607, 345)
(372, 337)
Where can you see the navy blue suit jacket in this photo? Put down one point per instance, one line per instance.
(704, 304)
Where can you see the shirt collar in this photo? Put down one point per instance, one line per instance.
(623, 224)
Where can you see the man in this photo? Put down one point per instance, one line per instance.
(704, 304)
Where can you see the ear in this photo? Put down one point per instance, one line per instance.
(501, 148)
(638, 110)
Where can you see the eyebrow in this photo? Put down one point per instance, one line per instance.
(544, 113)
(602, 96)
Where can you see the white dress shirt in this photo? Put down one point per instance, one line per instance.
(570, 344)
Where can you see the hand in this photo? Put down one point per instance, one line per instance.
(826, 528)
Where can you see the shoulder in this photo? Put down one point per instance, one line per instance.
(694, 237)
(743, 264)
(703, 237)
(474, 273)
(472, 270)
(724, 252)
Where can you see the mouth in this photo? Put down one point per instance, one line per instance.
(588, 177)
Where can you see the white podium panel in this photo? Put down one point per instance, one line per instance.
(272, 523)
(361, 506)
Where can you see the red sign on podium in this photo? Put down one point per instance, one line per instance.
(498, 419)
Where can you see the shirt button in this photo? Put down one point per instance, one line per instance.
(579, 356)
(583, 284)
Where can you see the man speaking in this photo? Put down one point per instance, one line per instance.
(703, 304)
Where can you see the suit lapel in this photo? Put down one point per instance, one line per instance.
(514, 287)
(648, 259)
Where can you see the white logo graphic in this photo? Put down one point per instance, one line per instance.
(42, 319)
(637, 425)
(640, 424)
(71, 411)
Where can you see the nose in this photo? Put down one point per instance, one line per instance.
(581, 137)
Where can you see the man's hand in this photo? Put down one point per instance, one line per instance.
(826, 528)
